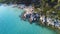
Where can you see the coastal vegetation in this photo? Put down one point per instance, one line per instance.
(46, 7)
(50, 9)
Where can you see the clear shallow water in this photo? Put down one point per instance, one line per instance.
(10, 23)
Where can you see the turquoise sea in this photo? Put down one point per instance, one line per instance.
(10, 23)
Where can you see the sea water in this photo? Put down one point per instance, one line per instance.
(11, 23)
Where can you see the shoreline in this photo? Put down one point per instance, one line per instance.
(50, 22)
(29, 10)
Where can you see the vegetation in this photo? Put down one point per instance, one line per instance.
(40, 6)
(46, 7)
(49, 6)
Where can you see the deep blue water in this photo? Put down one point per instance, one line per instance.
(10, 23)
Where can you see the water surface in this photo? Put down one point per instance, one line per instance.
(10, 23)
